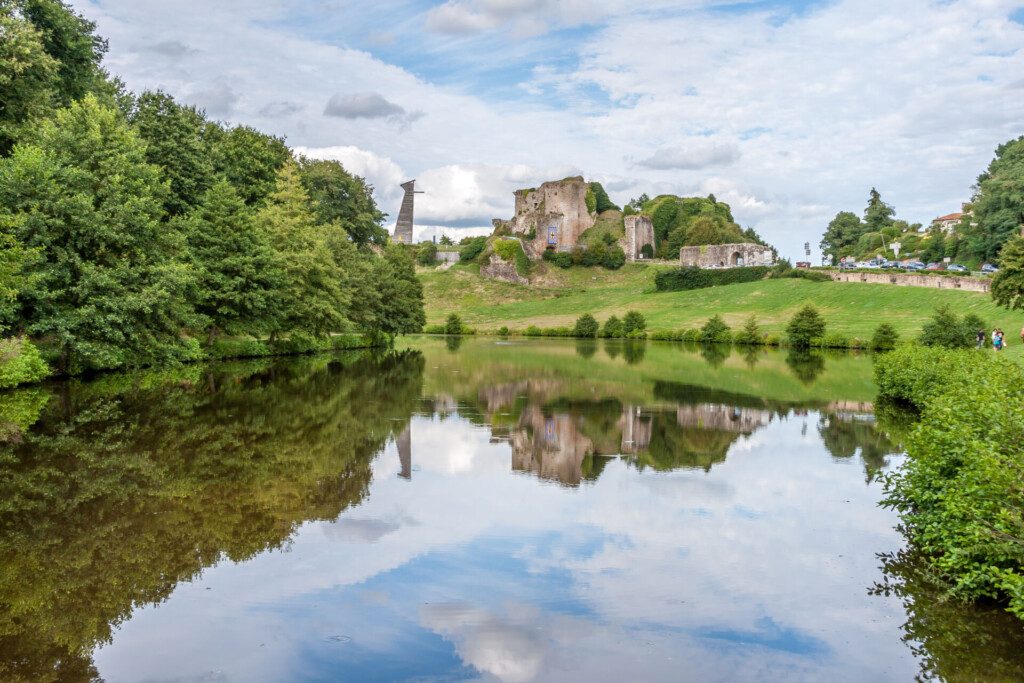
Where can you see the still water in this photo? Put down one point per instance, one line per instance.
(477, 510)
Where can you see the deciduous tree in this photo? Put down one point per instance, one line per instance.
(109, 283)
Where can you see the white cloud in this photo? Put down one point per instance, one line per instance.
(801, 113)
(369, 105)
(691, 156)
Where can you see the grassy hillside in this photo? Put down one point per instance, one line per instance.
(854, 309)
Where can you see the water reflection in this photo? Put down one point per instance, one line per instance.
(494, 510)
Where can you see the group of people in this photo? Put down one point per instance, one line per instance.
(998, 338)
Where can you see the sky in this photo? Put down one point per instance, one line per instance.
(790, 111)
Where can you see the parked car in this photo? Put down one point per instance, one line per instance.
(914, 265)
(888, 265)
(803, 264)
(956, 268)
(935, 266)
(989, 268)
(847, 265)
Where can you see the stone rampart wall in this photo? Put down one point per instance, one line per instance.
(726, 255)
(967, 284)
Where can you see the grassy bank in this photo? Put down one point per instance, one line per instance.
(560, 296)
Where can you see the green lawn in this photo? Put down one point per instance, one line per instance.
(853, 309)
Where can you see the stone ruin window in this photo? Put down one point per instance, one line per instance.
(737, 259)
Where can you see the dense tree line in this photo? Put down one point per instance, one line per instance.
(131, 226)
(994, 215)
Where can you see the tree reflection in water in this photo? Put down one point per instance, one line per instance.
(130, 484)
(952, 640)
(807, 365)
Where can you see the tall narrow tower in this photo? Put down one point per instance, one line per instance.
(403, 228)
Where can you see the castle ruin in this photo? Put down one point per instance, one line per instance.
(726, 256)
(552, 216)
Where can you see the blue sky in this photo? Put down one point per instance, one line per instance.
(789, 111)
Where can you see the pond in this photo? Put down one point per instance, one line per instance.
(467, 509)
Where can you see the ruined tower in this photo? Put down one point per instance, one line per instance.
(403, 228)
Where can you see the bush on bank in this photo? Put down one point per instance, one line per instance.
(960, 493)
(20, 363)
(683, 279)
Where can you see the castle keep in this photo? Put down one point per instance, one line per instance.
(555, 214)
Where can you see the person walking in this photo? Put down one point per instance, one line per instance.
(995, 339)
(980, 338)
(997, 342)
(1022, 335)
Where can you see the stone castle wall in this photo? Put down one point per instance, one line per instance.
(967, 284)
(556, 212)
(639, 232)
(499, 269)
(726, 255)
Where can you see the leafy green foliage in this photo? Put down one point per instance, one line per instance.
(108, 287)
(175, 142)
(27, 76)
(249, 159)
(751, 332)
(472, 248)
(426, 254)
(633, 324)
(960, 493)
(612, 328)
(998, 204)
(586, 327)
(237, 274)
(692, 277)
(691, 221)
(342, 199)
(453, 324)
(1008, 283)
(602, 202)
(948, 330)
(885, 337)
(311, 298)
(20, 363)
(715, 331)
(805, 327)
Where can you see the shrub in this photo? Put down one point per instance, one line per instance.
(612, 328)
(426, 254)
(473, 247)
(772, 340)
(636, 334)
(948, 330)
(682, 279)
(806, 327)
(434, 329)
(586, 326)
(633, 322)
(503, 331)
(959, 493)
(532, 331)
(562, 259)
(715, 331)
(20, 363)
(557, 332)
(913, 374)
(834, 340)
(885, 338)
(751, 332)
(615, 258)
(663, 335)
(237, 348)
(453, 324)
(691, 335)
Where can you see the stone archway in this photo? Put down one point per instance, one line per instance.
(737, 259)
